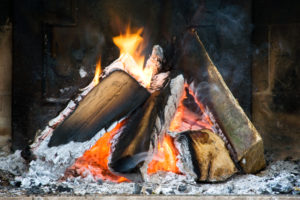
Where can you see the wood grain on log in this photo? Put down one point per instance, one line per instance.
(114, 97)
(210, 158)
(246, 142)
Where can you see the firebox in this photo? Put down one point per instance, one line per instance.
(150, 97)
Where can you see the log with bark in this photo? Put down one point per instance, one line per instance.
(247, 144)
(114, 97)
(205, 156)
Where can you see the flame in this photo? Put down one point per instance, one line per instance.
(132, 44)
(165, 158)
(95, 160)
(185, 119)
(97, 73)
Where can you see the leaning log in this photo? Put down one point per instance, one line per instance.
(143, 127)
(114, 97)
(247, 143)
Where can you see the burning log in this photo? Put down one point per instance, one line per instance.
(134, 141)
(115, 97)
(143, 128)
(246, 142)
(204, 154)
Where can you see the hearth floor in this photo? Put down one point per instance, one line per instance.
(279, 178)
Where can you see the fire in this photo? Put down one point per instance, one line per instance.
(96, 78)
(97, 73)
(95, 160)
(132, 44)
(165, 158)
(185, 119)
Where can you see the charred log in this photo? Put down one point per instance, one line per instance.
(114, 97)
(133, 144)
(144, 125)
(209, 157)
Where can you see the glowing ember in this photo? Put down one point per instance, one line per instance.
(95, 160)
(131, 44)
(165, 158)
(185, 119)
(97, 73)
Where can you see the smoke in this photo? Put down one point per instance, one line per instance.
(228, 42)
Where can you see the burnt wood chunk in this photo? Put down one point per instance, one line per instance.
(210, 158)
(143, 127)
(247, 143)
(114, 97)
(133, 144)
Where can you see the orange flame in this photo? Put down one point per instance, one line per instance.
(185, 119)
(165, 158)
(95, 160)
(97, 73)
(132, 44)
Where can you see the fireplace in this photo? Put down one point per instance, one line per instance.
(135, 95)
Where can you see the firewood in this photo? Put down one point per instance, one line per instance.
(209, 157)
(114, 97)
(143, 126)
(132, 146)
(247, 143)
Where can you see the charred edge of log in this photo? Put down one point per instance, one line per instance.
(236, 126)
(216, 128)
(241, 133)
(205, 155)
(114, 97)
(166, 111)
(132, 146)
(194, 55)
(186, 141)
(219, 131)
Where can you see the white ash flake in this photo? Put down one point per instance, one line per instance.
(13, 163)
(63, 90)
(51, 163)
(187, 167)
(82, 72)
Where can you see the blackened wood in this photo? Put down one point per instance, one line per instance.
(113, 98)
(210, 158)
(132, 146)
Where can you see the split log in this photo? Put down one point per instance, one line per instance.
(209, 158)
(143, 127)
(132, 146)
(114, 97)
(247, 144)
